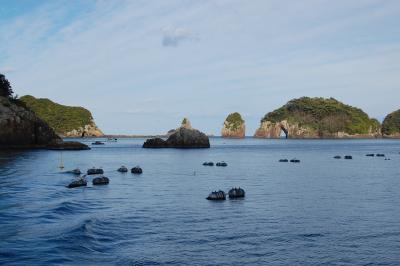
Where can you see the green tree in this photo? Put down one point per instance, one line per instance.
(5, 87)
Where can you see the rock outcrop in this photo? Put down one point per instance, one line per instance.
(186, 123)
(234, 126)
(181, 138)
(391, 125)
(66, 121)
(317, 118)
(21, 128)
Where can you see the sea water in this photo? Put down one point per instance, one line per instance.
(319, 211)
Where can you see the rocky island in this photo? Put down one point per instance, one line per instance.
(391, 125)
(21, 128)
(234, 126)
(317, 118)
(185, 137)
(66, 121)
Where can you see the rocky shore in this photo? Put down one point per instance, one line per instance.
(20, 128)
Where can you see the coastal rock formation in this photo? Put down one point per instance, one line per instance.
(234, 126)
(317, 118)
(186, 123)
(391, 125)
(20, 128)
(182, 138)
(65, 120)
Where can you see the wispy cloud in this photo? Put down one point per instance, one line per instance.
(173, 36)
(113, 56)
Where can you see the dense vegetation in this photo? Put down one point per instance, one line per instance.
(324, 116)
(234, 120)
(5, 87)
(391, 123)
(59, 117)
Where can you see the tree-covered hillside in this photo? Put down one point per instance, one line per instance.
(60, 117)
(324, 116)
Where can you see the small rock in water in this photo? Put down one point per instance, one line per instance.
(95, 171)
(348, 157)
(101, 180)
(337, 157)
(370, 155)
(235, 193)
(295, 161)
(122, 169)
(136, 170)
(283, 160)
(208, 164)
(223, 164)
(217, 195)
(78, 183)
(380, 155)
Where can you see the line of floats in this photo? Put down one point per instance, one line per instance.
(234, 193)
(81, 181)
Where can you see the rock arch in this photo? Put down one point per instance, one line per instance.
(284, 131)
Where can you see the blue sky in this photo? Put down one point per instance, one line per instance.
(141, 66)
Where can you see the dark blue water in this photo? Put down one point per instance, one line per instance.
(321, 211)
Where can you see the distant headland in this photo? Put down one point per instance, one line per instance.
(32, 122)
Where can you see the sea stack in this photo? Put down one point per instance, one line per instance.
(391, 125)
(234, 126)
(317, 118)
(184, 137)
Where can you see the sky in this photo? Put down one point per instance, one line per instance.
(141, 66)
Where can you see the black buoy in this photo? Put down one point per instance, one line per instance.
(348, 157)
(236, 193)
(78, 183)
(337, 157)
(222, 164)
(208, 164)
(100, 180)
(370, 155)
(380, 155)
(283, 160)
(136, 170)
(122, 169)
(95, 171)
(295, 161)
(217, 195)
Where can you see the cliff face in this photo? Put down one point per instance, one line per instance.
(391, 125)
(317, 118)
(65, 120)
(234, 126)
(21, 127)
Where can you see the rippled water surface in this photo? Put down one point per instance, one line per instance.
(321, 211)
